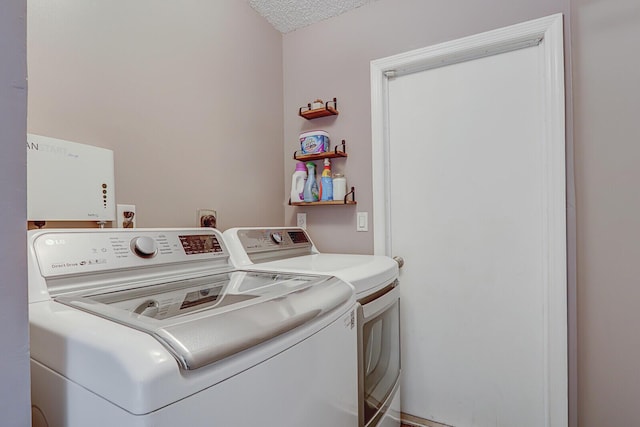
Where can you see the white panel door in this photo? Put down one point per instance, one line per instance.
(468, 188)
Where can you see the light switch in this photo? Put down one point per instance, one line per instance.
(362, 221)
(302, 220)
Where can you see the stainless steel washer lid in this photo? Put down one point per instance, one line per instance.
(206, 319)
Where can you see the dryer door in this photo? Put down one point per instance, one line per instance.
(379, 354)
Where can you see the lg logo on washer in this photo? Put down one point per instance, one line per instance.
(52, 242)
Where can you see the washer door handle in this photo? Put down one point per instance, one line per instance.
(399, 260)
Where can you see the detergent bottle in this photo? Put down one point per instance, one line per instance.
(297, 183)
(311, 186)
(326, 182)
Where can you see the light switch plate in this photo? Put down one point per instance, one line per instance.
(362, 221)
(302, 220)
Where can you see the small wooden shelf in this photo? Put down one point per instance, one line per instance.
(338, 151)
(332, 203)
(344, 202)
(328, 110)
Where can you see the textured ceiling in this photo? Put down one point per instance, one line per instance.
(289, 15)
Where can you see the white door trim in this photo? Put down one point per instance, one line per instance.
(547, 33)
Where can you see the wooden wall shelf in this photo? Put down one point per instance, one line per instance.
(329, 203)
(343, 202)
(338, 151)
(328, 110)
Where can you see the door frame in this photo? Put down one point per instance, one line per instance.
(547, 33)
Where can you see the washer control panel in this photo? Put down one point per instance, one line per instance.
(70, 252)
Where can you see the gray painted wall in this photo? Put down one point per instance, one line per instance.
(188, 95)
(15, 409)
(606, 35)
(331, 59)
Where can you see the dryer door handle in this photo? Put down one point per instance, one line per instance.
(399, 260)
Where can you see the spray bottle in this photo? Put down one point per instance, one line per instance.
(311, 186)
(326, 182)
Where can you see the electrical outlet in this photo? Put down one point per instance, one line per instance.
(302, 221)
(126, 216)
(207, 218)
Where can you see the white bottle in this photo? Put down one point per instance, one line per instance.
(339, 186)
(297, 183)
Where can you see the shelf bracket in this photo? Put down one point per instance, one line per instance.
(353, 195)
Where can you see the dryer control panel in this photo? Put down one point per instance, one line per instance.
(274, 243)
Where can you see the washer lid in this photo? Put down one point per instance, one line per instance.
(366, 273)
(205, 319)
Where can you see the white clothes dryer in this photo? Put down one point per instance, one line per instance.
(153, 327)
(375, 279)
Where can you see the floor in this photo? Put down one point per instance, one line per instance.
(429, 424)
(411, 421)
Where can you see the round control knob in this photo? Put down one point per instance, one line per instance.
(144, 246)
(276, 237)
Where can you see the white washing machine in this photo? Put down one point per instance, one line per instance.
(375, 279)
(142, 327)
